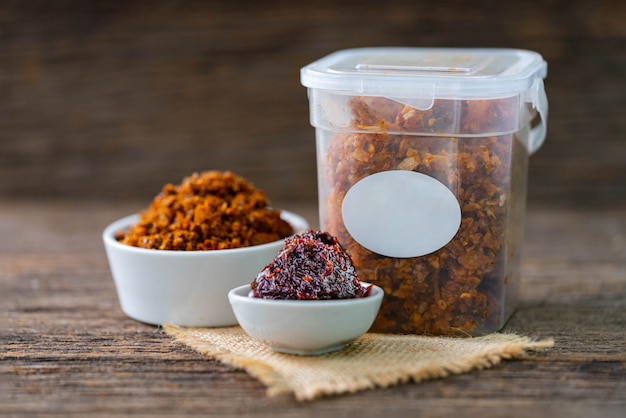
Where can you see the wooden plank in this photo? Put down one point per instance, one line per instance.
(66, 347)
(115, 100)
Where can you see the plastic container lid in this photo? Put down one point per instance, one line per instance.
(418, 76)
(427, 73)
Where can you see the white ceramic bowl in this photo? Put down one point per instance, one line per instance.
(306, 327)
(187, 288)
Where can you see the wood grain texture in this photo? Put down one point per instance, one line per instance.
(67, 349)
(117, 98)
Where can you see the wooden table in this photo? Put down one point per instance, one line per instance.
(67, 349)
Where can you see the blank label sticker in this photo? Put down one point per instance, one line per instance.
(401, 213)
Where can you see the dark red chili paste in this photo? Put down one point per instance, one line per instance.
(311, 265)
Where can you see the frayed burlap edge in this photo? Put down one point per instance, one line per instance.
(374, 360)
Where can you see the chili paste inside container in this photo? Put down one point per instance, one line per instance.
(312, 265)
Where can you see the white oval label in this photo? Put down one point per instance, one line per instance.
(401, 213)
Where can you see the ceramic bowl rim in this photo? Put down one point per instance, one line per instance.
(241, 294)
(298, 223)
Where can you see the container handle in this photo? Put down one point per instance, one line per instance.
(537, 134)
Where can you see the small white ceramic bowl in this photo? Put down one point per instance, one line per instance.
(305, 327)
(187, 288)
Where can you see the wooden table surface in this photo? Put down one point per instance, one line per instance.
(67, 349)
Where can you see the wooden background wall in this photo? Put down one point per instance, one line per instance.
(112, 99)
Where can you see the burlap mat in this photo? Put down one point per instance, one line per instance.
(374, 360)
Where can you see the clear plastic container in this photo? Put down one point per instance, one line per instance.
(422, 169)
